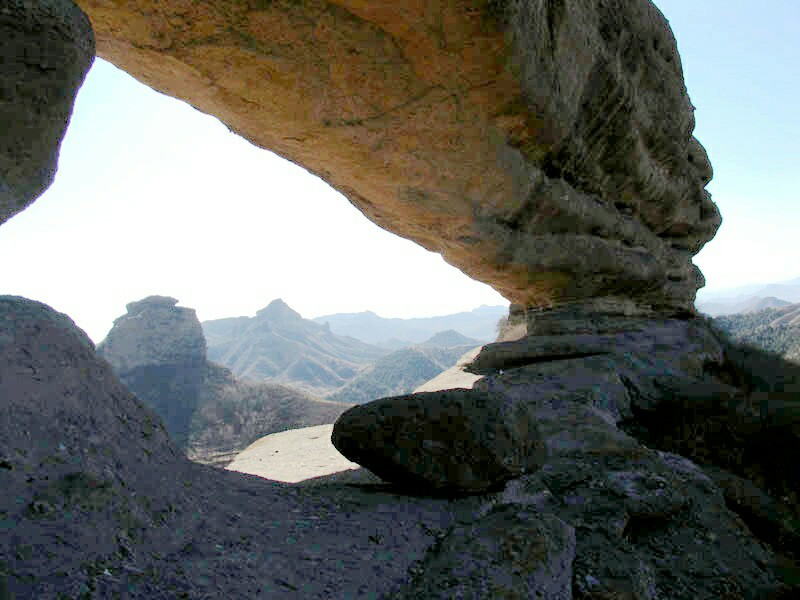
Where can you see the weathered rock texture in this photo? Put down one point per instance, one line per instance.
(97, 501)
(46, 48)
(451, 440)
(581, 397)
(158, 350)
(542, 147)
(154, 332)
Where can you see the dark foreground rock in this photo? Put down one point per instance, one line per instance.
(454, 440)
(98, 501)
(543, 147)
(46, 48)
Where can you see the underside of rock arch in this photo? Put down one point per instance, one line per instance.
(542, 147)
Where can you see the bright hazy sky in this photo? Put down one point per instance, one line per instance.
(153, 197)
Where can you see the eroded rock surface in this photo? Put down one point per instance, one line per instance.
(542, 147)
(512, 552)
(452, 440)
(153, 332)
(46, 47)
(92, 477)
(533, 388)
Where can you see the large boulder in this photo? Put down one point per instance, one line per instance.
(539, 395)
(452, 440)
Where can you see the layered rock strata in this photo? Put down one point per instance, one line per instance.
(542, 147)
(581, 395)
(518, 412)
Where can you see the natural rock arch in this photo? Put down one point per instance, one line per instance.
(544, 148)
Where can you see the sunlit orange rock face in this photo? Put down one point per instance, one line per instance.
(543, 147)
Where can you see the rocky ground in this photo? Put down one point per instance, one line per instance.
(101, 504)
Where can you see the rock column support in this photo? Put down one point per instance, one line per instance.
(46, 48)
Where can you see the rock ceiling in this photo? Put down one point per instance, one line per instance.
(544, 148)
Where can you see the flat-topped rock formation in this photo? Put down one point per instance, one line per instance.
(154, 331)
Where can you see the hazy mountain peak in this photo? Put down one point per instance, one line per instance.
(278, 310)
(450, 337)
(281, 346)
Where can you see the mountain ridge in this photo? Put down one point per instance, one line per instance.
(775, 330)
(737, 299)
(398, 373)
(367, 326)
(281, 346)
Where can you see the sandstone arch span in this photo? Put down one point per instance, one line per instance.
(543, 147)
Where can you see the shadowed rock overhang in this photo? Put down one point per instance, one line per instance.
(542, 147)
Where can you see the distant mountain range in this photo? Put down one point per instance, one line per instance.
(273, 362)
(449, 339)
(752, 304)
(280, 346)
(479, 324)
(748, 298)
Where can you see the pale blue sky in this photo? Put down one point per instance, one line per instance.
(741, 62)
(153, 197)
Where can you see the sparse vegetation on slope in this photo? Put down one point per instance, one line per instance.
(399, 373)
(775, 330)
(280, 346)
